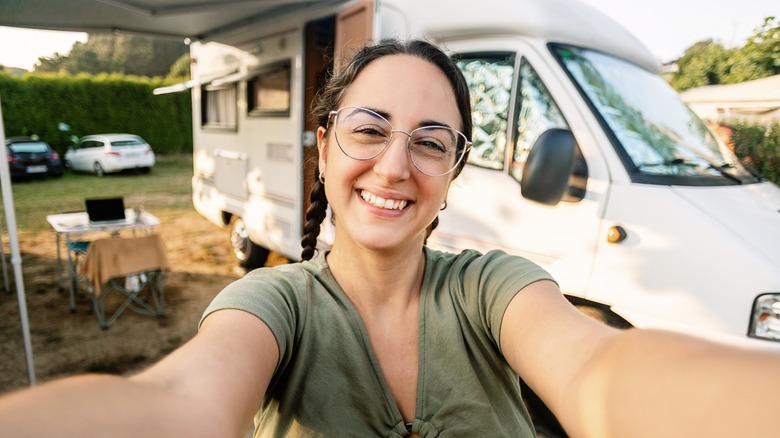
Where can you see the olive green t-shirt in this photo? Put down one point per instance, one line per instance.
(328, 381)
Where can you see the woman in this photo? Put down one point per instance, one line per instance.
(380, 336)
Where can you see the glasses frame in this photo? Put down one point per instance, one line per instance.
(409, 146)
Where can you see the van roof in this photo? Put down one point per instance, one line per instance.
(562, 21)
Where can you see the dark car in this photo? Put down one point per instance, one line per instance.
(30, 157)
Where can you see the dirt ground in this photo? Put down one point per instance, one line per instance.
(65, 343)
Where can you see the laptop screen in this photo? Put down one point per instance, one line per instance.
(105, 209)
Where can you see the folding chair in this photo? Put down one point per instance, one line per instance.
(133, 268)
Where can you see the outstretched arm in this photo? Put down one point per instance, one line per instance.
(602, 382)
(209, 387)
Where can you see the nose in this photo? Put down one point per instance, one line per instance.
(393, 163)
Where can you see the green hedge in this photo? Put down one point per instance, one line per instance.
(758, 147)
(36, 104)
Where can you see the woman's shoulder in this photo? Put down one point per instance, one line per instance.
(493, 270)
(476, 259)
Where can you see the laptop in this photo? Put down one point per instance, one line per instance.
(105, 211)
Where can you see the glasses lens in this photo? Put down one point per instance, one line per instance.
(363, 134)
(360, 133)
(436, 150)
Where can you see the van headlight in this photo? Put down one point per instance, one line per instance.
(765, 318)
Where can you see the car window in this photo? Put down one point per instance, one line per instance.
(29, 148)
(120, 143)
(90, 144)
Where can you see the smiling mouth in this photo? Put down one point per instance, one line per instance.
(379, 202)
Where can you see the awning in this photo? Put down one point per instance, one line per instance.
(211, 20)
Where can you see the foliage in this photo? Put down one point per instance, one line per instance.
(704, 63)
(758, 147)
(107, 53)
(709, 63)
(38, 103)
(180, 70)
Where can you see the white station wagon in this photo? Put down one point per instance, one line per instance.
(106, 153)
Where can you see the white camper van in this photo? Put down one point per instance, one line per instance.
(584, 160)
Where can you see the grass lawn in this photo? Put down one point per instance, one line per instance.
(167, 187)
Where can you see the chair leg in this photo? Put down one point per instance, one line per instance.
(153, 304)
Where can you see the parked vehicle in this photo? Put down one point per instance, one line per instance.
(107, 153)
(31, 157)
(584, 160)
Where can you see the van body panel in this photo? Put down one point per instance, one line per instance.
(680, 266)
(754, 204)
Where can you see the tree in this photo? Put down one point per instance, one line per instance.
(181, 68)
(709, 63)
(125, 54)
(704, 63)
(760, 56)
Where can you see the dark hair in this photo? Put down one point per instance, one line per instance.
(330, 98)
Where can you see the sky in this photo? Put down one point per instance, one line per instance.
(666, 27)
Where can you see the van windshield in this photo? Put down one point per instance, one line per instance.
(657, 136)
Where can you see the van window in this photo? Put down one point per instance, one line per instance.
(489, 77)
(536, 113)
(218, 107)
(268, 93)
(659, 139)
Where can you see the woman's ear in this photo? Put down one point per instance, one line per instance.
(322, 148)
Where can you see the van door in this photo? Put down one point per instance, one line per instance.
(512, 107)
(328, 39)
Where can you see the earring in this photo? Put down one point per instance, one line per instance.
(443, 206)
(322, 178)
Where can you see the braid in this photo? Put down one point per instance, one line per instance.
(430, 229)
(314, 217)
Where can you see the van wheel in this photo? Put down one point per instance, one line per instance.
(98, 169)
(248, 254)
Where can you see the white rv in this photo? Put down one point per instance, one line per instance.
(584, 160)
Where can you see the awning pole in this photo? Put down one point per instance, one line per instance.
(13, 240)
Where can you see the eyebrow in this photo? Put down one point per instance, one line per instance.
(422, 124)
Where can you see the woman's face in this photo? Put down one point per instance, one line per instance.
(385, 202)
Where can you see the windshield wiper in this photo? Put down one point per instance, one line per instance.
(672, 162)
(722, 169)
(683, 162)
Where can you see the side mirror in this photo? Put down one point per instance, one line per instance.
(548, 167)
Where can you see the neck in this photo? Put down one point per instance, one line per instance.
(379, 279)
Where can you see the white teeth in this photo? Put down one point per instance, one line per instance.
(376, 201)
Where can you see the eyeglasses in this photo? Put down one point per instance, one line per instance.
(363, 134)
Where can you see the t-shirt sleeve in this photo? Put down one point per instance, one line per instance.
(491, 281)
(272, 294)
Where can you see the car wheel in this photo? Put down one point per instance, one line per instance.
(248, 254)
(98, 169)
(145, 170)
(68, 166)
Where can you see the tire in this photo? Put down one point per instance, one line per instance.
(98, 169)
(68, 166)
(248, 254)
